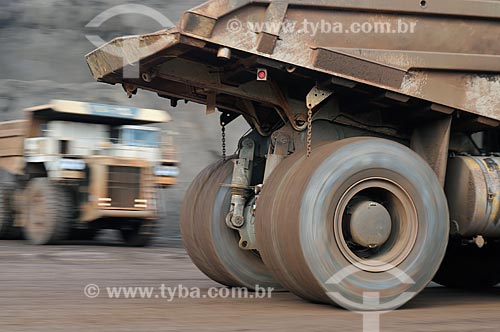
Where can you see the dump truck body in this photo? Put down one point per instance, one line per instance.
(393, 91)
(426, 64)
(12, 134)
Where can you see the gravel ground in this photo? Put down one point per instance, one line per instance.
(42, 289)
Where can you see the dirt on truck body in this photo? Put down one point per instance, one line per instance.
(373, 164)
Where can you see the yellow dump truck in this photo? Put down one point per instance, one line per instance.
(72, 168)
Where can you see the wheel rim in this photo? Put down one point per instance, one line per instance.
(403, 225)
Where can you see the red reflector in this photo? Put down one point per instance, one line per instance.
(261, 74)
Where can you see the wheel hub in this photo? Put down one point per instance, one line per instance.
(370, 223)
(375, 236)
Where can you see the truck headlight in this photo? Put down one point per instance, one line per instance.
(167, 171)
(72, 164)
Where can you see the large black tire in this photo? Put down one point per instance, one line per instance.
(49, 212)
(84, 234)
(7, 190)
(188, 222)
(211, 244)
(139, 232)
(301, 224)
(470, 267)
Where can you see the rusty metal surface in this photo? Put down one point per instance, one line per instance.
(123, 51)
(471, 8)
(431, 142)
(458, 73)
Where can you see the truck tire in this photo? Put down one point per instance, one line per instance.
(139, 232)
(469, 267)
(211, 244)
(314, 213)
(188, 223)
(7, 189)
(50, 210)
(86, 234)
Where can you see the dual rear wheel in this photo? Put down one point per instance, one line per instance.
(212, 246)
(359, 218)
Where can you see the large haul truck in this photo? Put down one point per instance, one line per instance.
(73, 168)
(373, 165)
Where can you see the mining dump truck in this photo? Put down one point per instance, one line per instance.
(373, 166)
(71, 168)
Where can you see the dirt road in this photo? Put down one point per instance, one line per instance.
(42, 289)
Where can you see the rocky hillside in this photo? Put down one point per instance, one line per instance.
(43, 43)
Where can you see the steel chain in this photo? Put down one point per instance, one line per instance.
(223, 134)
(309, 132)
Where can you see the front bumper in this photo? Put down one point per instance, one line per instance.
(165, 180)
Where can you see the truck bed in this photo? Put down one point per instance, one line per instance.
(449, 62)
(12, 134)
